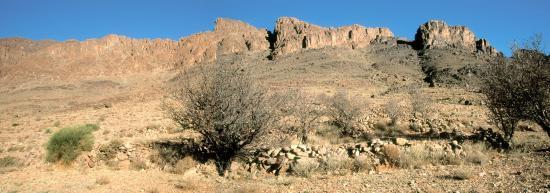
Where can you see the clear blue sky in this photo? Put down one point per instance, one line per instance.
(499, 21)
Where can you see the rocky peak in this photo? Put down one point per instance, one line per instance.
(293, 35)
(231, 25)
(438, 34)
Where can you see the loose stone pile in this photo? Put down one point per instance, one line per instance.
(280, 160)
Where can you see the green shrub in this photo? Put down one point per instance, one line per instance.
(67, 143)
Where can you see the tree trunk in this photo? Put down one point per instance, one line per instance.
(546, 127)
(223, 163)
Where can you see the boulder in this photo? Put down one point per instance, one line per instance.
(401, 141)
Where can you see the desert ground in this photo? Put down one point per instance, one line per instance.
(139, 148)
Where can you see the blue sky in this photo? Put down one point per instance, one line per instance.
(499, 21)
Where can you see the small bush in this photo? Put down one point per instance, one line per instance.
(462, 174)
(9, 161)
(361, 164)
(346, 113)
(395, 111)
(475, 153)
(337, 165)
(184, 164)
(420, 155)
(305, 168)
(138, 164)
(109, 151)
(392, 153)
(67, 143)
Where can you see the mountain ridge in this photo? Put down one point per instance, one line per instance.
(117, 54)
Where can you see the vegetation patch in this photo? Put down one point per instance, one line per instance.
(67, 143)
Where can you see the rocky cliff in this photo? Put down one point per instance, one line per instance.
(437, 34)
(114, 54)
(293, 35)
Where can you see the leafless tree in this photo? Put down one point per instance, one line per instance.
(306, 111)
(224, 105)
(346, 113)
(518, 88)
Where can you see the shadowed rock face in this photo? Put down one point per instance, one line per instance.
(293, 35)
(437, 34)
(116, 55)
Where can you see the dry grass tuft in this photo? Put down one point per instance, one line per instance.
(305, 168)
(392, 153)
(103, 180)
(184, 164)
(462, 173)
(337, 165)
(476, 153)
(249, 188)
(138, 164)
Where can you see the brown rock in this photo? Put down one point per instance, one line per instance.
(437, 34)
(294, 35)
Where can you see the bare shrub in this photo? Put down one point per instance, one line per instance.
(475, 153)
(462, 173)
(305, 168)
(420, 155)
(184, 164)
(337, 165)
(225, 106)
(362, 163)
(306, 111)
(108, 151)
(346, 113)
(138, 164)
(519, 88)
(394, 110)
(391, 153)
(420, 103)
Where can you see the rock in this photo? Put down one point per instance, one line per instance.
(483, 46)
(302, 147)
(275, 152)
(121, 157)
(286, 149)
(401, 141)
(437, 34)
(270, 161)
(294, 35)
(116, 54)
(322, 151)
(290, 156)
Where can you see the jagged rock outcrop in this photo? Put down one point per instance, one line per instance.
(437, 34)
(229, 36)
(114, 54)
(293, 35)
(482, 45)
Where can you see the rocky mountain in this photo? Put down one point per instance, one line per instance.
(293, 35)
(115, 55)
(437, 34)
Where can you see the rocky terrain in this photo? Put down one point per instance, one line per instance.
(119, 83)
